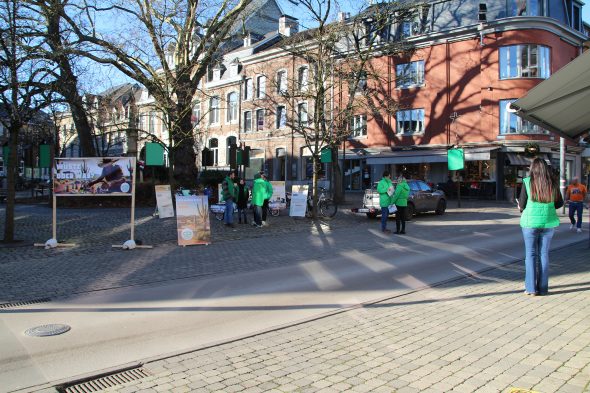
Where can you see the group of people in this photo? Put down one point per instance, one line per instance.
(236, 191)
(390, 195)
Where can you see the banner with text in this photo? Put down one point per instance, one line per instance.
(164, 201)
(279, 197)
(192, 220)
(298, 201)
(93, 176)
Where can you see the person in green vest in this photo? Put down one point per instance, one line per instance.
(538, 200)
(385, 190)
(258, 197)
(229, 194)
(400, 200)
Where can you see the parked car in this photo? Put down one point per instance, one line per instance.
(422, 199)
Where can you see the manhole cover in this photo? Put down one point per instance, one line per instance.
(47, 330)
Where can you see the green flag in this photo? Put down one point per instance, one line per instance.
(154, 154)
(44, 156)
(326, 155)
(456, 159)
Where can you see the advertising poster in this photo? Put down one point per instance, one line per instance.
(279, 197)
(192, 220)
(164, 201)
(298, 201)
(93, 176)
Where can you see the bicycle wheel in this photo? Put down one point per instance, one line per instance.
(328, 208)
(274, 212)
(219, 216)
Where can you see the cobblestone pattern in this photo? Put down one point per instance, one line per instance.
(477, 334)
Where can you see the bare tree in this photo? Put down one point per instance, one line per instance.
(26, 79)
(340, 73)
(166, 46)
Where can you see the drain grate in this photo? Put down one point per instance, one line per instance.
(24, 303)
(53, 329)
(105, 381)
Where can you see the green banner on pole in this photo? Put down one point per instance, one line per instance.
(456, 159)
(5, 153)
(326, 155)
(154, 154)
(44, 156)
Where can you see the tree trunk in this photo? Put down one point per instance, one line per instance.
(337, 189)
(314, 186)
(11, 189)
(185, 166)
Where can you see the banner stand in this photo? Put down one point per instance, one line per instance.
(128, 245)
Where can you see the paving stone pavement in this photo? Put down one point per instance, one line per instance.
(473, 334)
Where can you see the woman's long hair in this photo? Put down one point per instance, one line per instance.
(542, 184)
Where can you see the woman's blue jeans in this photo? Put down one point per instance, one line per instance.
(536, 262)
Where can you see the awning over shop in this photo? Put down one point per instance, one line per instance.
(521, 160)
(560, 103)
(427, 156)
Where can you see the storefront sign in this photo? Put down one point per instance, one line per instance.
(192, 220)
(93, 176)
(298, 201)
(164, 201)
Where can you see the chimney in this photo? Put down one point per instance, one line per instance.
(343, 16)
(288, 25)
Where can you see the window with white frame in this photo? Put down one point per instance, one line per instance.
(510, 123)
(152, 122)
(232, 107)
(259, 119)
(214, 149)
(281, 117)
(302, 78)
(409, 74)
(302, 117)
(525, 61)
(526, 8)
(248, 86)
(214, 110)
(358, 126)
(196, 115)
(248, 121)
(410, 121)
(260, 86)
(281, 82)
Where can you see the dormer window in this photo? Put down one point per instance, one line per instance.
(234, 69)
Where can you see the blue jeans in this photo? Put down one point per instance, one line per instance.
(576, 208)
(228, 217)
(257, 215)
(536, 262)
(384, 217)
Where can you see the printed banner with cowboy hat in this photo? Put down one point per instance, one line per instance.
(93, 176)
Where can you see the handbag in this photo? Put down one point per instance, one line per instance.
(392, 209)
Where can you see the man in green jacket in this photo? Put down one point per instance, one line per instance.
(385, 190)
(400, 200)
(258, 197)
(229, 193)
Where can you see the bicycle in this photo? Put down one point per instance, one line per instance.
(326, 206)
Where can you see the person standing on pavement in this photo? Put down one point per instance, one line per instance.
(400, 200)
(267, 199)
(539, 198)
(385, 190)
(229, 194)
(258, 197)
(243, 195)
(576, 195)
